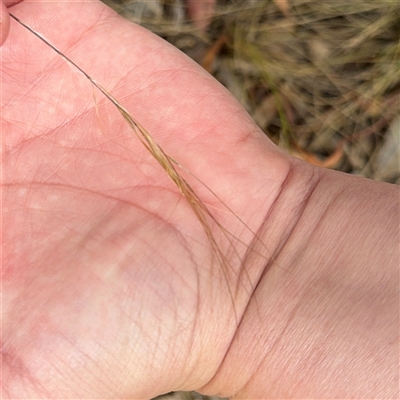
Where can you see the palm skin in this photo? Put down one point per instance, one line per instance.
(110, 287)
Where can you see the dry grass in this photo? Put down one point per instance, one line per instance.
(321, 78)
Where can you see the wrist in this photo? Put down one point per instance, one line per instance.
(319, 322)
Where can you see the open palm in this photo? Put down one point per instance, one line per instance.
(110, 285)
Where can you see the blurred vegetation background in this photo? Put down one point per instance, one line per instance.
(320, 78)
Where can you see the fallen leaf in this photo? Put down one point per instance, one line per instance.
(283, 6)
(200, 12)
(329, 162)
(212, 53)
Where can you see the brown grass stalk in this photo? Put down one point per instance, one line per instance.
(170, 166)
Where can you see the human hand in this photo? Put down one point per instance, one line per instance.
(110, 286)
(199, 12)
(4, 22)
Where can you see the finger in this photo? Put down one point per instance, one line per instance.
(4, 23)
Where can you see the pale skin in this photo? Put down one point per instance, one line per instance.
(109, 286)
